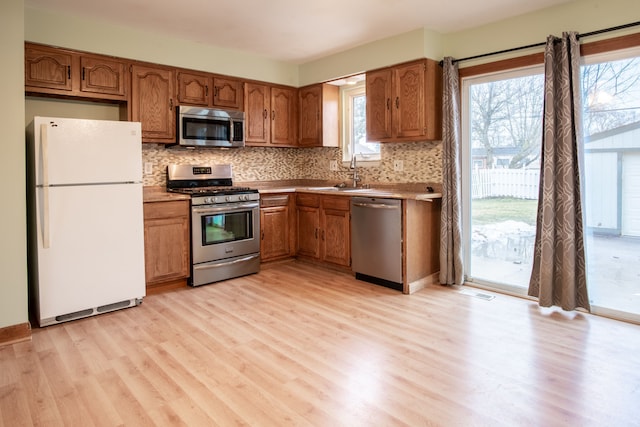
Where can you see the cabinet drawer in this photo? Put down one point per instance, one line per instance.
(310, 200)
(275, 200)
(339, 203)
(154, 210)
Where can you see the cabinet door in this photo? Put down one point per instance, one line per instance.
(228, 93)
(283, 116)
(310, 104)
(336, 231)
(47, 68)
(152, 103)
(379, 105)
(257, 113)
(408, 103)
(308, 226)
(102, 76)
(274, 235)
(166, 241)
(193, 88)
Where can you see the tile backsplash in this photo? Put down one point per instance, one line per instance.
(422, 163)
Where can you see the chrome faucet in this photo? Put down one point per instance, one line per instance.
(353, 166)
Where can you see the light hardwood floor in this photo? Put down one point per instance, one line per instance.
(299, 345)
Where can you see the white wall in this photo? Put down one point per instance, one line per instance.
(13, 256)
(582, 16)
(101, 37)
(579, 15)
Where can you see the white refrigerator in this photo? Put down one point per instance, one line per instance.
(86, 235)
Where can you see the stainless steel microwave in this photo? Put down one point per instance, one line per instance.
(209, 127)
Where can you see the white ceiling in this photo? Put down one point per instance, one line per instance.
(294, 30)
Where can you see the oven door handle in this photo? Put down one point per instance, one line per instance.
(225, 264)
(226, 208)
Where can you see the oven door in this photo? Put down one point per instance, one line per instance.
(224, 231)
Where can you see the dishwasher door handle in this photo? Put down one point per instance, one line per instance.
(376, 206)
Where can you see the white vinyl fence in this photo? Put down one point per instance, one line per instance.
(516, 183)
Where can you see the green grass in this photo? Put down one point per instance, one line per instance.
(489, 211)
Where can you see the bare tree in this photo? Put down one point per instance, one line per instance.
(508, 113)
(611, 94)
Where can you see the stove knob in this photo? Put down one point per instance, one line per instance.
(227, 198)
(207, 200)
(245, 197)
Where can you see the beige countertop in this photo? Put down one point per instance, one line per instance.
(396, 191)
(160, 194)
(351, 192)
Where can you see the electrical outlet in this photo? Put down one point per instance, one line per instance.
(333, 165)
(398, 165)
(148, 168)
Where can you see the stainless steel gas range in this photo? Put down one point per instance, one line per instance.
(225, 222)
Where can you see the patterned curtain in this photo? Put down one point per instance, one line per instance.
(559, 277)
(451, 268)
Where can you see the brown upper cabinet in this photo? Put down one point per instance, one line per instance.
(152, 102)
(55, 71)
(319, 116)
(207, 90)
(404, 102)
(270, 115)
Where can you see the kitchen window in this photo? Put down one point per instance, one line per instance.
(353, 100)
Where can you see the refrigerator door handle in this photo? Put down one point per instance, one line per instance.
(44, 141)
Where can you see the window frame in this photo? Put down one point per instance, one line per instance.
(347, 92)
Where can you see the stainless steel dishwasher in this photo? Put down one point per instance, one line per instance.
(376, 240)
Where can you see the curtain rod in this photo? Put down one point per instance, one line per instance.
(592, 33)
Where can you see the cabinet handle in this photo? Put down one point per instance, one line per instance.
(262, 235)
(264, 114)
(216, 91)
(69, 72)
(273, 114)
(397, 102)
(388, 103)
(170, 104)
(316, 233)
(206, 90)
(323, 235)
(83, 68)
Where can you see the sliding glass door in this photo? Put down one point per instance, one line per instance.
(502, 123)
(611, 102)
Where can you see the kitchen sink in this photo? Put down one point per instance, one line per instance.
(356, 190)
(343, 189)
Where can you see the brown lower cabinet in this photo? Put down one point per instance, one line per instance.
(277, 226)
(323, 228)
(166, 242)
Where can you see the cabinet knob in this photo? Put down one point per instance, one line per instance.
(397, 102)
